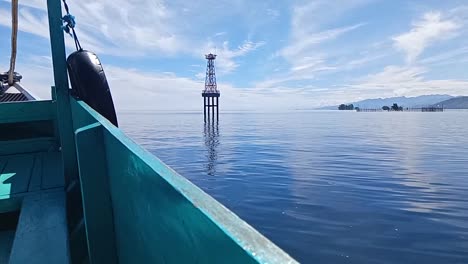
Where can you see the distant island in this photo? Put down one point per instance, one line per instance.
(346, 107)
(437, 100)
(394, 107)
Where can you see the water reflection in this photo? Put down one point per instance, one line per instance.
(211, 136)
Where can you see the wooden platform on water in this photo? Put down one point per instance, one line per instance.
(406, 109)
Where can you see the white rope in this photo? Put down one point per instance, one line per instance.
(14, 37)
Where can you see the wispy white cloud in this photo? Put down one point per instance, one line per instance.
(306, 59)
(29, 22)
(120, 28)
(308, 30)
(309, 57)
(311, 16)
(323, 55)
(146, 90)
(306, 71)
(391, 81)
(109, 26)
(446, 57)
(431, 28)
(363, 60)
(304, 44)
(309, 34)
(137, 90)
(406, 81)
(274, 13)
(38, 4)
(218, 34)
(141, 27)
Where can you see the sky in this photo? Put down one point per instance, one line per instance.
(272, 54)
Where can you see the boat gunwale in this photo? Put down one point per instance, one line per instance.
(252, 241)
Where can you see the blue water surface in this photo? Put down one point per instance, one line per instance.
(329, 186)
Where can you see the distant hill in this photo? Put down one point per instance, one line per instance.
(418, 101)
(460, 102)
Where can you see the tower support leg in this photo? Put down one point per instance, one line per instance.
(204, 108)
(213, 106)
(208, 106)
(217, 108)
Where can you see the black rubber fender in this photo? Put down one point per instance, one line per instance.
(89, 83)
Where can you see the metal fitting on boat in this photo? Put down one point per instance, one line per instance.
(4, 77)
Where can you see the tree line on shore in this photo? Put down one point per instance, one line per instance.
(346, 107)
(394, 107)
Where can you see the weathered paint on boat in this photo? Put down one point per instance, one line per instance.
(87, 193)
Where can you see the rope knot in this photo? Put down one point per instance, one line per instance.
(70, 24)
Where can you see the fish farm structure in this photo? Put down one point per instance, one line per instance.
(406, 109)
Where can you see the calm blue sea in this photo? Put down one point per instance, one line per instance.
(329, 186)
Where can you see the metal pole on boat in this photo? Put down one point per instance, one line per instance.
(64, 116)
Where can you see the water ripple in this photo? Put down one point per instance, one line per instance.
(329, 187)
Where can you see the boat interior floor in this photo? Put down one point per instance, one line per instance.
(33, 226)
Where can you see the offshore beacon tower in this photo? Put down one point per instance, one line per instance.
(211, 93)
